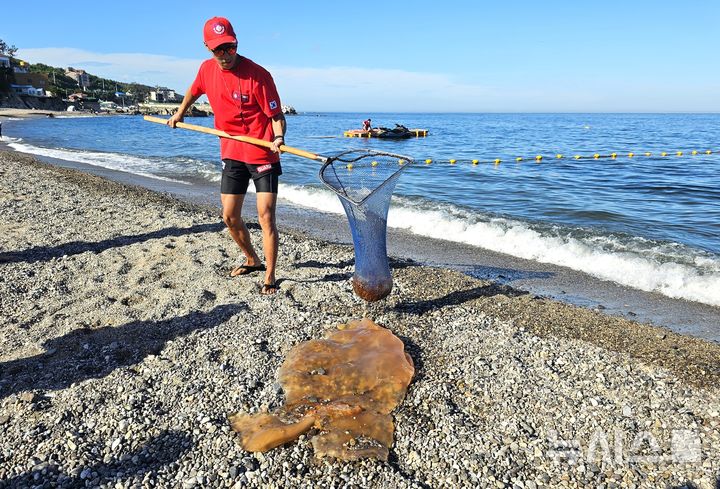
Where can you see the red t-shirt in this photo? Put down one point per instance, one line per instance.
(243, 99)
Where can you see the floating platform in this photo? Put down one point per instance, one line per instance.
(386, 134)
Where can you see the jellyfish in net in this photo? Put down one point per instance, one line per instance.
(364, 180)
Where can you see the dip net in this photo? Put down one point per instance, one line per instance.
(364, 180)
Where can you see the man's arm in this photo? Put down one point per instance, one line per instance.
(188, 100)
(279, 125)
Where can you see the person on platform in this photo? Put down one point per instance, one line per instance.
(245, 102)
(367, 124)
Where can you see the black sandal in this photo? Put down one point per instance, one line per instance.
(246, 269)
(269, 289)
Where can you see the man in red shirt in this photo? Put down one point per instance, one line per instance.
(245, 102)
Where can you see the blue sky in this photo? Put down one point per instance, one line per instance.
(419, 56)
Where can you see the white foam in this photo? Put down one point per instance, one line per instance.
(312, 197)
(643, 268)
(8, 139)
(120, 162)
(671, 270)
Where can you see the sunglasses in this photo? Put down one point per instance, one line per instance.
(225, 49)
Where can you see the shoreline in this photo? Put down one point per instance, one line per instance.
(557, 282)
(125, 345)
(30, 113)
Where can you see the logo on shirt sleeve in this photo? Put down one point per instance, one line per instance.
(273, 105)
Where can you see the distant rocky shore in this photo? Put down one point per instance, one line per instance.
(54, 104)
(27, 102)
(10, 112)
(196, 110)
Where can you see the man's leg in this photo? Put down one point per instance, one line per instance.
(266, 203)
(232, 215)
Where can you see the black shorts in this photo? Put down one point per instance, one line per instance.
(236, 176)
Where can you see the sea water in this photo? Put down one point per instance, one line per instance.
(648, 222)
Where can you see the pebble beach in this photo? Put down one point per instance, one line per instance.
(124, 346)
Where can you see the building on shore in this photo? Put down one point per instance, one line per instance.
(27, 90)
(20, 67)
(82, 101)
(162, 94)
(80, 76)
(37, 83)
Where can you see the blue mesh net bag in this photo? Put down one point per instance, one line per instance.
(364, 180)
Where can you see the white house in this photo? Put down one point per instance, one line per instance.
(108, 106)
(163, 95)
(27, 90)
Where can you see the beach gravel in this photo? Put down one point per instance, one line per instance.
(124, 345)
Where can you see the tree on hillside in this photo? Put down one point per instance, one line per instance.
(5, 78)
(139, 92)
(59, 83)
(6, 73)
(7, 49)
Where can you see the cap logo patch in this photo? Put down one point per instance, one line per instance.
(219, 29)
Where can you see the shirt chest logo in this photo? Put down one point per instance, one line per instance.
(240, 97)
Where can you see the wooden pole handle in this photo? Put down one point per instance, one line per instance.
(244, 139)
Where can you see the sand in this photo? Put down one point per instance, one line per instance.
(124, 345)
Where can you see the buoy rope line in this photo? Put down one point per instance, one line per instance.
(594, 156)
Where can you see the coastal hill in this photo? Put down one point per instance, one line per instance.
(38, 86)
(26, 85)
(21, 81)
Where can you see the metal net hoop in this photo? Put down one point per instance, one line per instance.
(354, 175)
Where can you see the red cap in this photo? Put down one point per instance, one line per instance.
(218, 31)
